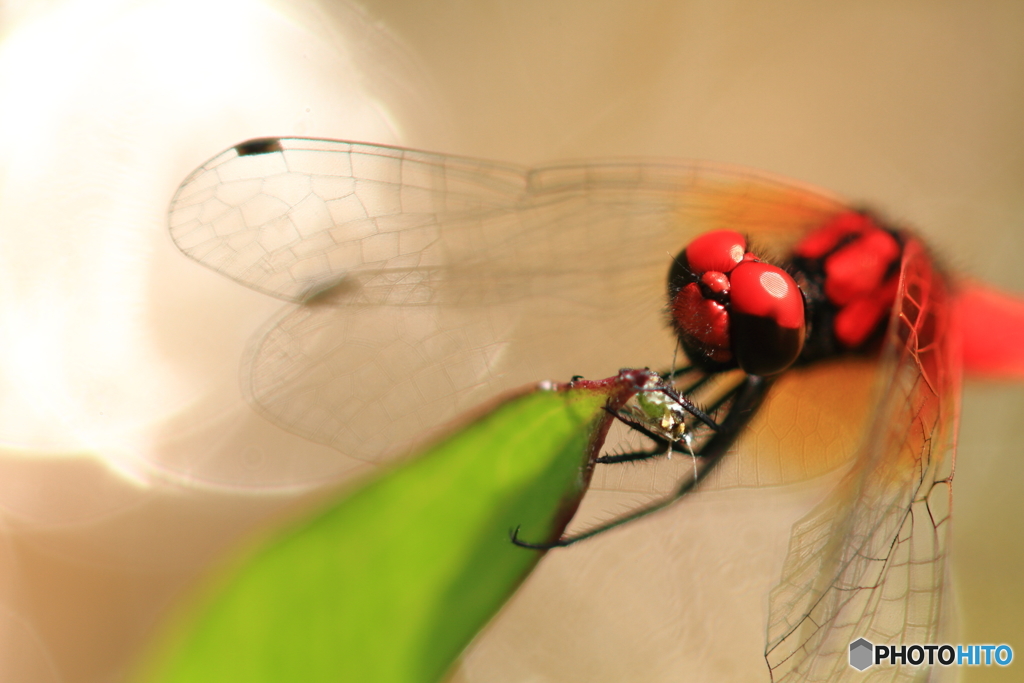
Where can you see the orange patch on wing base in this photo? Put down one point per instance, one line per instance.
(813, 423)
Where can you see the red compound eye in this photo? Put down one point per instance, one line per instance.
(766, 318)
(717, 251)
(702, 325)
(729, 308)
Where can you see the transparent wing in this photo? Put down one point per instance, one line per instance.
(425, 284)
(870, 561)
(292, 217)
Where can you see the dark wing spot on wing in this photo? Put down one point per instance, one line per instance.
(331, 293)
(259, 146)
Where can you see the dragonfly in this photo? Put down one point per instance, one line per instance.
(418, 285)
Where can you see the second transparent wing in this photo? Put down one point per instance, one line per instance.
(869, 562)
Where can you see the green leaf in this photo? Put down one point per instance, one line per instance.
(392, 582)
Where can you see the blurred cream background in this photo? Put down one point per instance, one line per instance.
(129, 459)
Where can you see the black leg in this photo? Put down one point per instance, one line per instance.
(747, 397)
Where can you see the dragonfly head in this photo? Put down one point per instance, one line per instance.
(731, 309)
